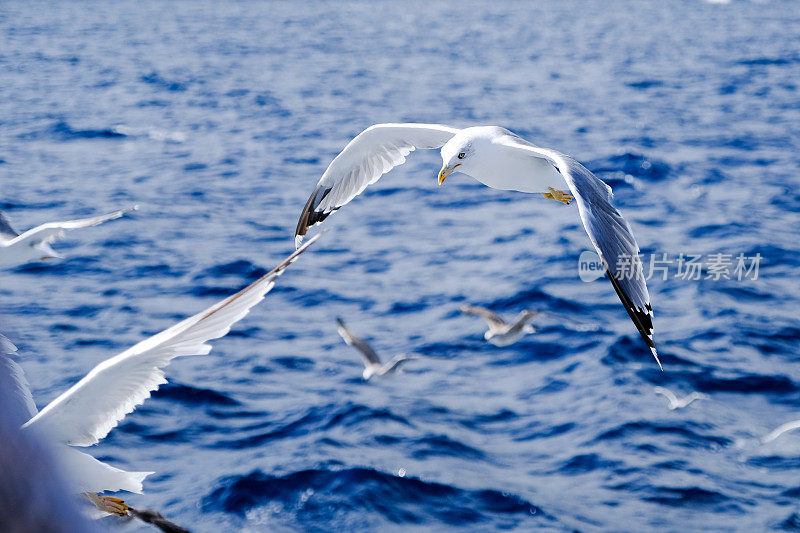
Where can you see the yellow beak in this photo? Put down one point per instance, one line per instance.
(446, 171)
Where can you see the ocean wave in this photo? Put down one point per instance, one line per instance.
(314, 497)
(188, 395)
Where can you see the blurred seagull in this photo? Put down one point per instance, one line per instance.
(780, 430)
(500, 332)
(34, 244)
(679, 403)
(502, 160)
(372, 363)
(91, 408)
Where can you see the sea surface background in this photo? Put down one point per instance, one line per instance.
(218, 119)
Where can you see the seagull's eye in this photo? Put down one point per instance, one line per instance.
(462, 155)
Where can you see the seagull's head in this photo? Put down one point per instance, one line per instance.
(456, 155)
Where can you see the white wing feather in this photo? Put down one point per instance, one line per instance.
(23, 404)
(371, 154)
(92, 407)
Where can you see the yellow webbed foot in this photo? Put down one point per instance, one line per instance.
(560, 196)
(108, 504)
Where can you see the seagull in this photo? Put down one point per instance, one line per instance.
(34, 244)
(780, 430)
(502, 160)
(372, 363)
(679, 403)
(90, 409)
(500, 332)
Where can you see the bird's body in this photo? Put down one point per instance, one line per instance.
(34, 244)
(372, 363)
(90, 409)
(499, 159)
(679, 403)
(521, 172)
(500, 332)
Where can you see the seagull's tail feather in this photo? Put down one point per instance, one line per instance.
(87, 474)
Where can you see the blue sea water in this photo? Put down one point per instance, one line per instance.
(218, 119)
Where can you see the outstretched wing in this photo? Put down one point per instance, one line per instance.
(522, 320)
(371, 154)
(7, 231)
(610, 234)
(49, 231)
(395, 363)
(494, 320)
(92, 407)
(369, 355)
(668, 394)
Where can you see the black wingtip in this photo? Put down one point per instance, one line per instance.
(310, 216)
(642, 318)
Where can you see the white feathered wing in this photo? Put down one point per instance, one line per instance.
(86, 412)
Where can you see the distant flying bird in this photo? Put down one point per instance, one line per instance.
(91, 408)
(780, 430)
(500, 332)
(502, 160)
(34, 244)
(679, 403)
(372, 363)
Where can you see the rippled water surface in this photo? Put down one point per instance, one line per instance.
(218, 121)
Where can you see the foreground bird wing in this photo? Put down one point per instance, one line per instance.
(369, 355)
(23, 404)
(49, 231)
(494, 320)
(610, 234)
(371, 154)
(92, 407)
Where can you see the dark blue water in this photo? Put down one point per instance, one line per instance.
(218, 121)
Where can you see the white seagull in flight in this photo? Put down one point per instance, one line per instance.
(34, 244)
(372, 363)
(500, 332)
(502, 160)
(679, 403)
(84, 414)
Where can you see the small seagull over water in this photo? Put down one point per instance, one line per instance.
(500, 332)
(372, 363)
(34, 244)
(502, 160)
(679, 403)
(90, 409)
